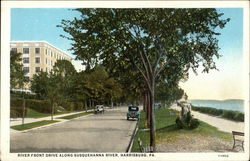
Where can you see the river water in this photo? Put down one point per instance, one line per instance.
(232, 104)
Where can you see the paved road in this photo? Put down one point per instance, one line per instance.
(108, 132)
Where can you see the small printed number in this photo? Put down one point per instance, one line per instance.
(223, 155)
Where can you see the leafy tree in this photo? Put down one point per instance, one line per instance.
(39, 84)
(53, 91)
(79, 88)
(168, 94)
(66, 71)
(158, 41)
(17, 76)
(47, 86)
(113, 90)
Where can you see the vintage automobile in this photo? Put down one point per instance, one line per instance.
(133, 112)
(99, 109)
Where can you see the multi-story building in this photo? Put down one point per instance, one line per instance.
(38, 55)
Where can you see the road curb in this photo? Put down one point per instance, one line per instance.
(132, 138)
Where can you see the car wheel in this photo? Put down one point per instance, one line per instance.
(127, 118)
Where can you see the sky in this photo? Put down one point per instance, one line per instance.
(39, 24)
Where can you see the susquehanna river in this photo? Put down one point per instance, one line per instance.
(232, 104)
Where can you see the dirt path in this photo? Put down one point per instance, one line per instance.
(197, 143)
(220, 123)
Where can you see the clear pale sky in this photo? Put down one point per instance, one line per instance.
(40, 24)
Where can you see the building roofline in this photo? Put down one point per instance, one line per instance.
(42, 42)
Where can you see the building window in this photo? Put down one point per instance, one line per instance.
(26, 60)
(46, 61)
(26, 70)
(37, 69)
(51, 63)
(26, 50)
(46, 51)
(14, 50)
(37, 60)
(37, 50)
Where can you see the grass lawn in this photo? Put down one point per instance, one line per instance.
(167, 131)
(75, 115)
(33, 125)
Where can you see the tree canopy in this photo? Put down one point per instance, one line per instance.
(17, 75)
(162, 44)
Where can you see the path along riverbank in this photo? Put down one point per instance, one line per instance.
(220, 123)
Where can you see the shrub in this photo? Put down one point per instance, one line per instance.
(188, 118)
(17, 112)
(239, 117)
(228, 114)
(188, 122)
(16, 103)
(42, 106)
(39, 105)
(208, 110)
(16, 108)
(179, 123)
(194, 123)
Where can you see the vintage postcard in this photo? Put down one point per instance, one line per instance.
(124, 80)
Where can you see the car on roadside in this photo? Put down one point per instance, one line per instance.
(133, 112)
(99, 109)
(157, 106)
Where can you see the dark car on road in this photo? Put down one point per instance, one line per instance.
(133, 112)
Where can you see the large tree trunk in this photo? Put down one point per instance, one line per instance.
(145, 109)
(152, 116)
(148, 109)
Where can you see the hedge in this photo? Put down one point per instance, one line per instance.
(228, 114)
(38, 105)
(17, 111)
(42, 106)
(208, 110)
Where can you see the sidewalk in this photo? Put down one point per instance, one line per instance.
(221, 123)
(18, 121)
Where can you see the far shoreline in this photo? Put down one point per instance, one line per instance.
(236, 105)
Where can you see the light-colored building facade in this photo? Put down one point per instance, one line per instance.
(38, 56)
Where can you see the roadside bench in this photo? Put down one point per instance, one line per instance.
(145, 149)
(238, 139)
